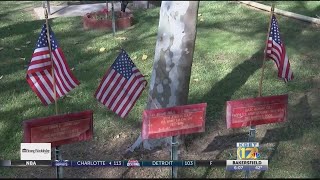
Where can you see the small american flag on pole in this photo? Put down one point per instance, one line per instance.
(277, 52)
(39, 75)
(121, 86)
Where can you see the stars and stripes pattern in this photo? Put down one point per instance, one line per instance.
(277, 52)
(121, 86)
(39, 75)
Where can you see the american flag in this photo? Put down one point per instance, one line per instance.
(277, 51)
(39, 74)
(121, 86)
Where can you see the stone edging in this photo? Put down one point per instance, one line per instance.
(282, 12)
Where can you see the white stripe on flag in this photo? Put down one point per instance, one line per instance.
(51, 80)
(65, 69)
(38, 87)
(290, 74)
(285, 66)
(121, 93)
(116, 91)
(37, 58)
(127, 96)
(109, 88)
(39, 65)
(131, 101)
(61, 74)
(41, 49)
(46, 85)
(104, 83)
(278, 46)
(58, 81)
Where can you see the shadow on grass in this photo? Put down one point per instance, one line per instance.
(223, 91)
(293, 129)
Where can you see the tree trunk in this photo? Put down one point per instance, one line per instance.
(170, 77)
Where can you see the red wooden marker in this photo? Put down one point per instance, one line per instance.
(173, 121)
(59, 129)
(261, 110)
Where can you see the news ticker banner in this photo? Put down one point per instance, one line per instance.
(247, 165)
(231, 165)
(114, 163)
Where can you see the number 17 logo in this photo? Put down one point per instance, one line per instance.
(247, 153)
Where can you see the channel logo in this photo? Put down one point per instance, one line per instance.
(133, 163)
(248, 151)
(35, 151)
(61, 163)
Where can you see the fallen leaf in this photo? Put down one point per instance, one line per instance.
(22, 59)
(1, 77)
(1, 48)
(28, 42)
(18, 49)
(201, 19)
(134, 57)
(72, 69)
(196, 80)
(199, 15)
(23, 46)
(144, 57)
(121, 38)
(102, 49)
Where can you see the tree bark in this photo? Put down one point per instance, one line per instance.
(169, 85)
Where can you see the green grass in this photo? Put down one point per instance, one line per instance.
(227, 61)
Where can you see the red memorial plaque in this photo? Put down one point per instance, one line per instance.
(256, 111)
(173, 121)
(59, 129)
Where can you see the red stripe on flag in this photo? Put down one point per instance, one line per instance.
(116, 93)
(101, 82)
(107, 83)
(131, 103)
(40, 53)
(35, 90)
(124, 93)
(58, 80)
(113, 86)
(40, 61)
(128, 101)
(59, 51)
(65, 81)
(44, 89)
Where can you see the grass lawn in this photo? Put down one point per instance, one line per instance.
(227, 65)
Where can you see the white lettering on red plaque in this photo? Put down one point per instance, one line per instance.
(173, 121)
(59, 129)
(256, 111)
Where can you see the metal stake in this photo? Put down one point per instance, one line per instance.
(251, 138)
(59, 170)
(174, 155)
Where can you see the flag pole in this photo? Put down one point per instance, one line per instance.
(252, 131)
(59, 172)
(113, 19)
(265, 52)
